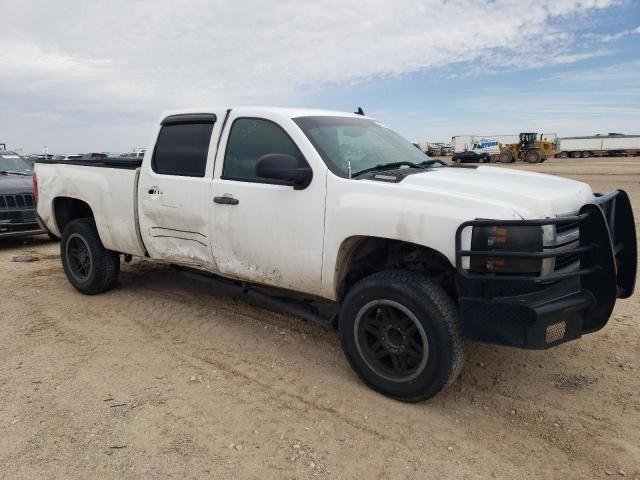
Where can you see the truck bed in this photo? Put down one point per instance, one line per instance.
(109, 185)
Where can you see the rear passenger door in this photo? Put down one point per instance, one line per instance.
(173, 189)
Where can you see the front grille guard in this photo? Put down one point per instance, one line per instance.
(607, 249)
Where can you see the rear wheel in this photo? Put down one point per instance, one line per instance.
(576, 154)
(401, 334)
(586, 154)
(563, 155)
(506, 157)
(533, 156)
(89, 267)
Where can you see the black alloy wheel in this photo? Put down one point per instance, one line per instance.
(79, 257)
(391, 340)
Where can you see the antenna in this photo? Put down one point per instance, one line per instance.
(359, 111)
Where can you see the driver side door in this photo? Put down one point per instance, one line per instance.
(265, 232)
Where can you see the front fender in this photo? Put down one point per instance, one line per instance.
(390, 211)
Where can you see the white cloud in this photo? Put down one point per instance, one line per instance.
(80, 60)
(619, 35)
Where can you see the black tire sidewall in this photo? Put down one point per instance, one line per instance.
(435, 375)
(534, 156)
(95, 281)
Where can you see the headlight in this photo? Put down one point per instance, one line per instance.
(506, 239)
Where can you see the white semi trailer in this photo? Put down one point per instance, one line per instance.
(599, 145)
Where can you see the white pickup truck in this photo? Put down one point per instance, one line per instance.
(417, 255)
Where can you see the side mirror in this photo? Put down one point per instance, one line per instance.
(284, 168)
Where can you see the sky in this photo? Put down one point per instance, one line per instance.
(82, 76)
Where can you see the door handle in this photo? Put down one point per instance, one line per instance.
(226, 200)
(154, 191)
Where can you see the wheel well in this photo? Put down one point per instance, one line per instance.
(66, 209)
(360, 257)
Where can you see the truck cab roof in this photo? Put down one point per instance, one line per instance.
(258, 110)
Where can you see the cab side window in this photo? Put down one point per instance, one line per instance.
(251, 138)
(182, 149)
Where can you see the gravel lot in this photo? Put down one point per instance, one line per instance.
(166, 378)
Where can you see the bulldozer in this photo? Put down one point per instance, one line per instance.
(529, 149)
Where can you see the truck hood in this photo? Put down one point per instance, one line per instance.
(12, 184)
(529, 194)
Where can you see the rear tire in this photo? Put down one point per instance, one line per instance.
(586, 154)
(576, 154)
(533, 156)
(563, 155)
(401, 334)
(89, 267)
(506, 157)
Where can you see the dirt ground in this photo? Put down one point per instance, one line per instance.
(164, 377)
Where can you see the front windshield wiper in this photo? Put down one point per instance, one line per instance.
(431, 161)
(387, 166)
(7, 172)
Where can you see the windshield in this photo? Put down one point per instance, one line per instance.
(363, 142)
(10, 162)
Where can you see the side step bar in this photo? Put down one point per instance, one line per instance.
(297, 308)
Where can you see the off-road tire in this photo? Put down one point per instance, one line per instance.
(435, 311)
(104, 265)
(506, 157)
(534, 156)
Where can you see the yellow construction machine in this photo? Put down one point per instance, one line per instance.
(529, 149)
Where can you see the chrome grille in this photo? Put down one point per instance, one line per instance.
(564, 236)
(564, 228)
(565, 261)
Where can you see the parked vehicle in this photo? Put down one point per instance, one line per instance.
(71, 156)
(610, 145)
(94, 156)
(135, 153)
(470, 156)
(17, 206)
(435, 149)
(417, 255)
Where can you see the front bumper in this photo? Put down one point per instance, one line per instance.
(539, 312)
(17, 223)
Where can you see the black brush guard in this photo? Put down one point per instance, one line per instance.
(545, 310)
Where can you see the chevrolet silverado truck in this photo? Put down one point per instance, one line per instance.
(17, 206)
(416, 256)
